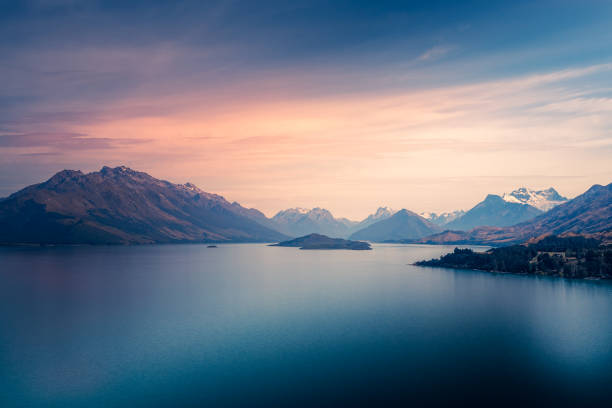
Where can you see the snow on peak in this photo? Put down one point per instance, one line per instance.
(383, 212)
(297, 210)
(443, 217)
(320, 214)
(541, 199)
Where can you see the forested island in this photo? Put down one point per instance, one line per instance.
(318, 241)
(569, 257)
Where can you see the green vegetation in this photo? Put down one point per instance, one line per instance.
(570, 257)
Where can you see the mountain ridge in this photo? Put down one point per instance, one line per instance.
(543, 200)
(122, 206)
(589, 214)
(493, 211)
(297, 222)
(404, 224)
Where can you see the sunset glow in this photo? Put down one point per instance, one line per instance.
(427, 124)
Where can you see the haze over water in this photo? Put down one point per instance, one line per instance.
(180, 325)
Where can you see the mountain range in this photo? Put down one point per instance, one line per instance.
(403, 224)
(123, 206)
(588, 214)
(296, 222)
(442, 218)
(493, 211)
(543, 200)
(511, 208)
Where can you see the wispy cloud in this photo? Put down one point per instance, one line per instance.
(64, 141)
(279, 108)
(434, 53)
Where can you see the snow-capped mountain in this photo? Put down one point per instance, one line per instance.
(493, 211)
(403, 224)
(543, 200)
(442, 218)
(297, 222)
(380, 214)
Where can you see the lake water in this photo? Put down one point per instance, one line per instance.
(251, 325)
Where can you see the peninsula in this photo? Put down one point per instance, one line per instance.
(568, 257)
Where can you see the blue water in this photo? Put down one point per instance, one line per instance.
(250, 325)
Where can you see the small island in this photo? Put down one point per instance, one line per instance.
(574, 257)
(318, 241)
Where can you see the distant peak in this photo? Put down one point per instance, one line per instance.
(68, 173)
(490, 197)
(64, 175)
(404, 211)
(595, 187)
(118, 169)
(319, 210)
(541, 199)
(298, 210)
(383, 210)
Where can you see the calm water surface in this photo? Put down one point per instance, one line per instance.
(250, 325)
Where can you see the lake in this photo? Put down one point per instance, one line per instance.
(251, 325)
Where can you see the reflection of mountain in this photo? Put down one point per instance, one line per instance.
(120, 205)
(403, 224)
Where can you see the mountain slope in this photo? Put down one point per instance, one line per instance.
(119, 206)
(297, 222)
(381, 213)
(543, 200)
(402, 225)
(493, 211)
(588, 214)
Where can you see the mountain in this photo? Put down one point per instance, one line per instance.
(543, 200)
(381, 213)
(123, 206)
(493, 211)
(297, 222)
(318, 241)
(442, 218)
(588, 214)
(403, 224)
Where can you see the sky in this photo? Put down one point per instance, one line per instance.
(424, 105)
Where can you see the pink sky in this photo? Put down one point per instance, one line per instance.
(269, 143)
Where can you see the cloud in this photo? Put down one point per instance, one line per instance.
(64, 141)
(434, 53)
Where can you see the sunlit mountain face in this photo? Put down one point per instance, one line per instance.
(541, 199)
(428, 106)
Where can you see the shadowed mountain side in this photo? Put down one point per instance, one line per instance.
(318, 241)
(589, 214)
(493, 211)
(123, 206)
(403, 224)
